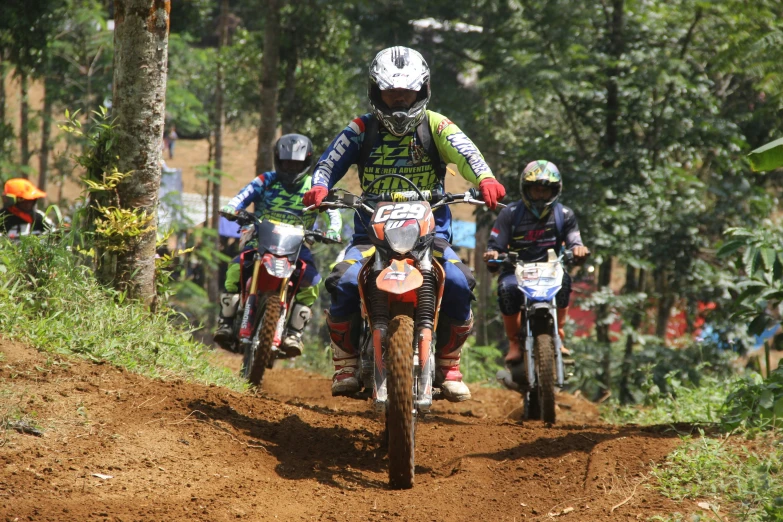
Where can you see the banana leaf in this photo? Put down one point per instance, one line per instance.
(767, 157)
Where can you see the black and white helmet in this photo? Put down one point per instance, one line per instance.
(293, 147)
(399, 68)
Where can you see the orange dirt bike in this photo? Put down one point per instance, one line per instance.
(400, 288)
(268, 290)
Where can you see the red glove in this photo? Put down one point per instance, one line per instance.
(491, 192)
(314, 196)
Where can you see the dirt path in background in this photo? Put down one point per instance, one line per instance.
(117, 446)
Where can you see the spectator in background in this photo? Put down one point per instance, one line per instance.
(19, 217)
(171, 140)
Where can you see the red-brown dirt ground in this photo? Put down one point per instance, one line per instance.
(180, 451)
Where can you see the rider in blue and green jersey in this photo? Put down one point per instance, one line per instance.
(271, 193)
(406, 139)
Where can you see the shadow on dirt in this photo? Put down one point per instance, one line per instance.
(335, 456)
(584, 439)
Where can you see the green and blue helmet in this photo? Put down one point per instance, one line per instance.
(545, 174)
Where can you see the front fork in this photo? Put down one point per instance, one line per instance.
(246, 327)
(530, 352)
(423, 357)
(251, 305)
(423, 372)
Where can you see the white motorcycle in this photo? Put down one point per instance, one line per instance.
(542, 367)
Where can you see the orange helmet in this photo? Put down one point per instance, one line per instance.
(21, 188)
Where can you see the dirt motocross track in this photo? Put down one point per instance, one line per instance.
(117, 446)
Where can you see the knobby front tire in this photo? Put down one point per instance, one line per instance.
(544, 347)
(266, 336)
(399, 412)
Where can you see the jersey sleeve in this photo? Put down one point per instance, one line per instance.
(455, 147)
(573, 238)
(340, 155)
(253, 191)
(501, 230)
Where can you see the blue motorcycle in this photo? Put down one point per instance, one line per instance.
(542, 368)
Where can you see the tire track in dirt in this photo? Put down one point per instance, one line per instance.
(182, 451)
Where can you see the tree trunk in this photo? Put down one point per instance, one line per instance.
(602, 326)
(634, 284)
(615, 31)
(3, 71)
(210, 174)
(220, 127)
(267, 129)
(6, 131)
(46, 133)
(483, 280)
(289, 90)
(24, 117)
(665, 303)
(141, 38)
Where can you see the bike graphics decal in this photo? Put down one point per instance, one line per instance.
(400, 211)
(399, 277)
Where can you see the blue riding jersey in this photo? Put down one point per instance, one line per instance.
(402, 155)
(270, 198)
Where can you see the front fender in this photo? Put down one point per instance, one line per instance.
(400, 277)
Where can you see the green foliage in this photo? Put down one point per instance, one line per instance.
(767, 157)
(97, 157)
(758, 257)
(745, 480)
(50, 301)
(681, 402)
(658, 370)
(480, 363)
(756, 402)
(190, 89)
(316, 357)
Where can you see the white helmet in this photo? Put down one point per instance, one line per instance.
(399, 68)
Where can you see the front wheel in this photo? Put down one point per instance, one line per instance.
(544, 347)
(399, 413)
(259, 351)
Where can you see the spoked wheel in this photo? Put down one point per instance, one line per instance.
(399, 413)
(260, 349)
(544, 347)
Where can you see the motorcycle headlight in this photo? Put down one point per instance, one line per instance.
(402, 235)
(278, 267)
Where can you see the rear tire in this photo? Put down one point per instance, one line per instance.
(544, 347)
(399, 413)
(265, 332)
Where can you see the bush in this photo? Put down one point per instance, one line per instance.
(48, 299)
(756, 403)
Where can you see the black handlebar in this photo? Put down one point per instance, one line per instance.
(243, 217)
(512, 258)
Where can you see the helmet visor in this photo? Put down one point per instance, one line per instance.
(292, 168)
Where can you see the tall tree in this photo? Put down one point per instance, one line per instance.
(140, 67)
(6, 130)
(267, 129)
(220, 127)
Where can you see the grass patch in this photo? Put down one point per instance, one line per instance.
(316, 358)
(680, 403)
(50, 301)
(740, 475)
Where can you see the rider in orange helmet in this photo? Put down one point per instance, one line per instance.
(19, 217)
